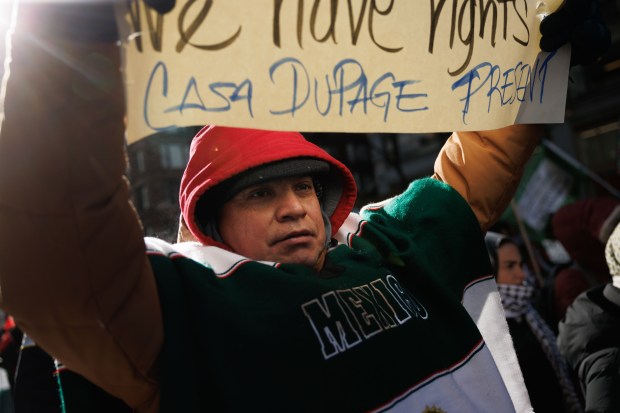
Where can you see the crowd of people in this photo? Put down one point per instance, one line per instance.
(552, 327)
(278, 296)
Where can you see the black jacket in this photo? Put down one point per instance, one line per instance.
(589, 338)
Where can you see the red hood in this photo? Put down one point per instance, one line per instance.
(579, 227)
(218, 153)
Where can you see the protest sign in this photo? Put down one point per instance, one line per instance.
(340, 65)
(546, 190)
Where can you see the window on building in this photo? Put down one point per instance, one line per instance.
(172, 192)
(173, 155)
(142, 198)
(598, 148)
(140, 161)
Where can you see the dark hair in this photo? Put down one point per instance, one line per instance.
(493, 241)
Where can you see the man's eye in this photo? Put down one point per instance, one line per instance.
(304, 186)
(258, 193)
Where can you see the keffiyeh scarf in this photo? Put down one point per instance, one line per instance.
(516, 303)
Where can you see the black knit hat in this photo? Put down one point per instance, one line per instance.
(328, 187)
(270, 171)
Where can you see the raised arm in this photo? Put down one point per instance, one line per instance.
(486, 167)
(73, 270)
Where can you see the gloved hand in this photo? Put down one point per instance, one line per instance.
(162, 6)
(580, 23)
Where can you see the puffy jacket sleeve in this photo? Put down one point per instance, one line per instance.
(600, 375)
(486, 167)
(73, 269)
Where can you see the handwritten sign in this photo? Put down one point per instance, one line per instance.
(545, 192)
(340, 65)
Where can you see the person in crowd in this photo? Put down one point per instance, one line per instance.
(10, 336)
(547, 377)
(284, 299)
(36, 381)
(6, 397)
(10, 339)
(582, 227)
(589, 339)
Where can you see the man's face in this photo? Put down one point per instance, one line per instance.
(279, 221)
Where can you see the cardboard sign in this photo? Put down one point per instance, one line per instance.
(545, 192)
(340, 65)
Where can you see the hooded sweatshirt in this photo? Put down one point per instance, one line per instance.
(219, 153)
(387, 325)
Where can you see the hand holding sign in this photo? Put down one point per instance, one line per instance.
(162, 6)
(579, 23)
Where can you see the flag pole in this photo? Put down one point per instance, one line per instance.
(528, 244)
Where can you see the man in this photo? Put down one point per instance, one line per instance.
(265, 312)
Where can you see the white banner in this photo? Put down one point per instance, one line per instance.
(340, 65)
